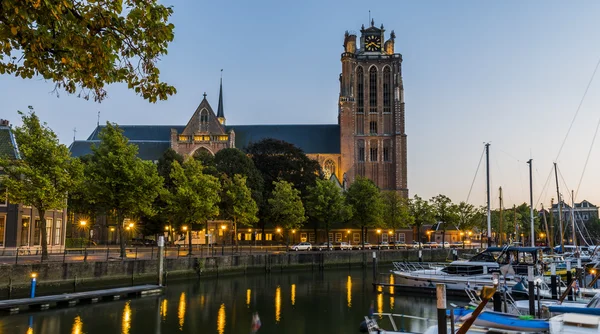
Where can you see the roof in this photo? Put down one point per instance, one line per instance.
(142, 132)
(147, 150)
(8, 146)
(311, 138)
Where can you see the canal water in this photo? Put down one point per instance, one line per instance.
(333, 301)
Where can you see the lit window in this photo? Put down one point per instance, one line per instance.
(311, 238)
(302, 237)
(338, 237)
(183, 138)
(401, 238)
(268, 236)
(223, 138)
(48, 231)
(57, 232)
(329, 169)
(356, 238)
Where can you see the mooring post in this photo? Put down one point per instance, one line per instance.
(420, 255)
(497, 302)
(441, 308)
(531, 291)
(553, 281)
(161, 244)
(375, 271)
(569, 279)
(33, 284)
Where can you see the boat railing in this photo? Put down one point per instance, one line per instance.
(413, 266)
(402, 318)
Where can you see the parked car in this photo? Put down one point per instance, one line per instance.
(398, 245)
(444, 244)
(384, 245)
(324, 246)
(342, 245)
(431, 244)
(366, 246)
(303, 246)
(416, 245)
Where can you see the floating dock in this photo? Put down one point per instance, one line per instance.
(71, 299)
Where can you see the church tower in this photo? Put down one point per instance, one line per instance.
(371, 110)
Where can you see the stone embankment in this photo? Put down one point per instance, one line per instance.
(55, 277)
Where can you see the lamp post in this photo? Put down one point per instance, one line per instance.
(293, 236)
(223, 228)
(167, 229)
(186, 237)
(112, 230)
(33, 283)
(462, 239)
(82, 224)
(279, 232)
(348, 233)
(429, 236)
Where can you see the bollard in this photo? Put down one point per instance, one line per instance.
(441, 308)
(420, 255)
(161, 244)
(17, 256)
(85, 254)
(497, 302)
(135, 254)
(33, 284)
(531, 291)
(553, 281)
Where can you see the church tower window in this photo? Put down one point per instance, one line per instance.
(387, 150)
(387, 90)
(204, 120)
(360, 87)
(373, 127)
(373, 89)
(329, 168)
(361, 150)
(373, 150)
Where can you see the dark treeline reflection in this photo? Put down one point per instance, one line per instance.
(291, 302)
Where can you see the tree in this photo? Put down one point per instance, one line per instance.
(231, 161)
(195, 198)
(43, 175)
(365, 202)
(423, 214)
(122, 184)
(237, 202)
(445, 213)
(285, 206)
(87, 44)
(165, 164)
(396, 213)
(325, 205)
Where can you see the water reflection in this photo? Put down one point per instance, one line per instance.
(221, 321)
(77, 326)
(248, 295)
(392, 284)
(126, 322)
(293, 294)
(181, 311)
(380, 303)
(278, 304)
(163, 309)
(349, 291)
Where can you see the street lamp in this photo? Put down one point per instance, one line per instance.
(223, 228)
(429, 236)
(378, 236)
(82, 224)
(293, 236)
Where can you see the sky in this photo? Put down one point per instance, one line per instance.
(511, 73)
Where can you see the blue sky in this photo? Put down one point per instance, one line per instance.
(507, 72)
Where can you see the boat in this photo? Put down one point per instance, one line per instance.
(481, 270)
(591, 308)
(574, 323)
(505, 321)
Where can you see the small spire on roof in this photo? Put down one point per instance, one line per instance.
(220, 112)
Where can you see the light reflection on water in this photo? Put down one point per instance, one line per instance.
(335, 300)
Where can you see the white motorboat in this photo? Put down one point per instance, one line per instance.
(574, 323)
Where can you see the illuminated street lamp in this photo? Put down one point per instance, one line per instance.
(223, 228)
(378, 236)
(293, 236)
(82, 225)
(429, 236)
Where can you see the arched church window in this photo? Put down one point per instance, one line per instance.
(329, 169)
(373, 89)
(361, 150)
(204, 120)
(387, 90)
(360, 87)
(373, 150)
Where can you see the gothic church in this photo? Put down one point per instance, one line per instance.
(369, 139)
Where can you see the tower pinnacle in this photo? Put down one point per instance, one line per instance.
(220, 112)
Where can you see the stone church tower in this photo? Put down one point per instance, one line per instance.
(371, 111)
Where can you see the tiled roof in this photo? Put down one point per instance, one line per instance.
(311, 138)
(7, 144)
(147, 150)
(143, 132)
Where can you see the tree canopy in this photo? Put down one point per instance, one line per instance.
(122, 183)
(231, 161)
(237, 202)
(422, 213)
(325, 205)
(395, 210)
(365, 201)
(445, 213)
(83, 45)
(43, 175)
(285, 206)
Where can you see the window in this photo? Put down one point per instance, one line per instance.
(311, 238)
(268, 236)
(360, 85)
(360, 124)
(329, 169)
(2, 226)
(248, 236)
(201, 138)
(338, 237)
(402, 238)
(184, 138)
(302, 237)
(3, 198)
(373, 89)
(36, 232)
(204, 120)
(48, 231)
(373, 127)
(258, 236)
(387, 90)
(356, 238)
(387, 124)
(330, 237)
(361, 150)
(57, 232)
(384, 237)
(373, 150)
(25, 231)
(387, 156)
(223, 138)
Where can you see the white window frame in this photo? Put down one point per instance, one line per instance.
(311, 238)
(338, 237)
(401, 238)
(49, 229)
(356, 238)
(58, 230)
(3, 236)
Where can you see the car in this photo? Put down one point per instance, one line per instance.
(444, 244)
(431, 244)
(416, 245)
(324, 246)
(384, 245)
(366, 246)
(303, 246)
(342, 245)
(398, 245)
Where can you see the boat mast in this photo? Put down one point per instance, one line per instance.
(500, 225)
(530, 162)
(560, 223)
(573, 220)
(487, 170)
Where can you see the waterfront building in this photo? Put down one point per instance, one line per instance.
(369, 139)
(19, 223)
(583, 211)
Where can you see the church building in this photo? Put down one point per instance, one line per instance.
(369, 139)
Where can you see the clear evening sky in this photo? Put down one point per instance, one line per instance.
(507, 72)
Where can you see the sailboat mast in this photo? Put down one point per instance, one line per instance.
(530, 162)
(501, 232)
(489, 215)
(573, 218)
(560, 222)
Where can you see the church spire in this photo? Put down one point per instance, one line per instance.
(220, 112)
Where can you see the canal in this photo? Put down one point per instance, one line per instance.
(333, 301)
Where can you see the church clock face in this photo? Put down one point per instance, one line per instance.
(373, 43)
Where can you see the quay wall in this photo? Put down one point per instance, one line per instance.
(55, 277)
